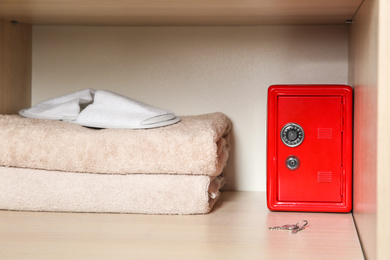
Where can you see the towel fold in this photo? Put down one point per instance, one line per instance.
(198, 145)
(41, 190)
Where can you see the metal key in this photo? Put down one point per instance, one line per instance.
(294, 228)
(284, 227)
(299, 228)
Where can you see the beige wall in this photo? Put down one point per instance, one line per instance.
(194, 70)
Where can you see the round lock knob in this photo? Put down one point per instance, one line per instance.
(292, 134)
(292, 162)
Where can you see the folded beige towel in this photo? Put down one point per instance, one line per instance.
(198, 145)
(41, 190)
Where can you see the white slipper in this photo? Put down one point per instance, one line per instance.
(112, 110)
(65, 107)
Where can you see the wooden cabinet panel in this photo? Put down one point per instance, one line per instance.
(176, 12)
(15, 67)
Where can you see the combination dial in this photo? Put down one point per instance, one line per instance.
(292, 135)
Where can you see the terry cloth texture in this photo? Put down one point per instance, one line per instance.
(41, 190)
(198, 145)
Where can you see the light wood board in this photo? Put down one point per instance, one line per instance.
(236, 229)
(178, 12)
(15, 67)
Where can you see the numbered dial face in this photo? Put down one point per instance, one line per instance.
(292, 135)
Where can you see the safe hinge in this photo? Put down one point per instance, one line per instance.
(342, 176)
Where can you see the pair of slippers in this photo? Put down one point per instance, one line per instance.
(101, 109)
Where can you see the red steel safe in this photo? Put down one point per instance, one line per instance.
(309, 148)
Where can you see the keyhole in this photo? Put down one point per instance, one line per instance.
(292, 162)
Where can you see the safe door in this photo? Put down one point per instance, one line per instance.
(308, 148)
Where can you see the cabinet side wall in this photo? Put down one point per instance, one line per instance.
(15, 67)
(383, 132)
(363, 75)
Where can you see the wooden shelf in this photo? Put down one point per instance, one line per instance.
(178, 12)
(236, 229)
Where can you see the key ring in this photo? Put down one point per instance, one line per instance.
(304, 225)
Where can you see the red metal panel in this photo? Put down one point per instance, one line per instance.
(317, 155)
(311, 170)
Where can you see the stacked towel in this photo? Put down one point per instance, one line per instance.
(51, 165)
(41, 190)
